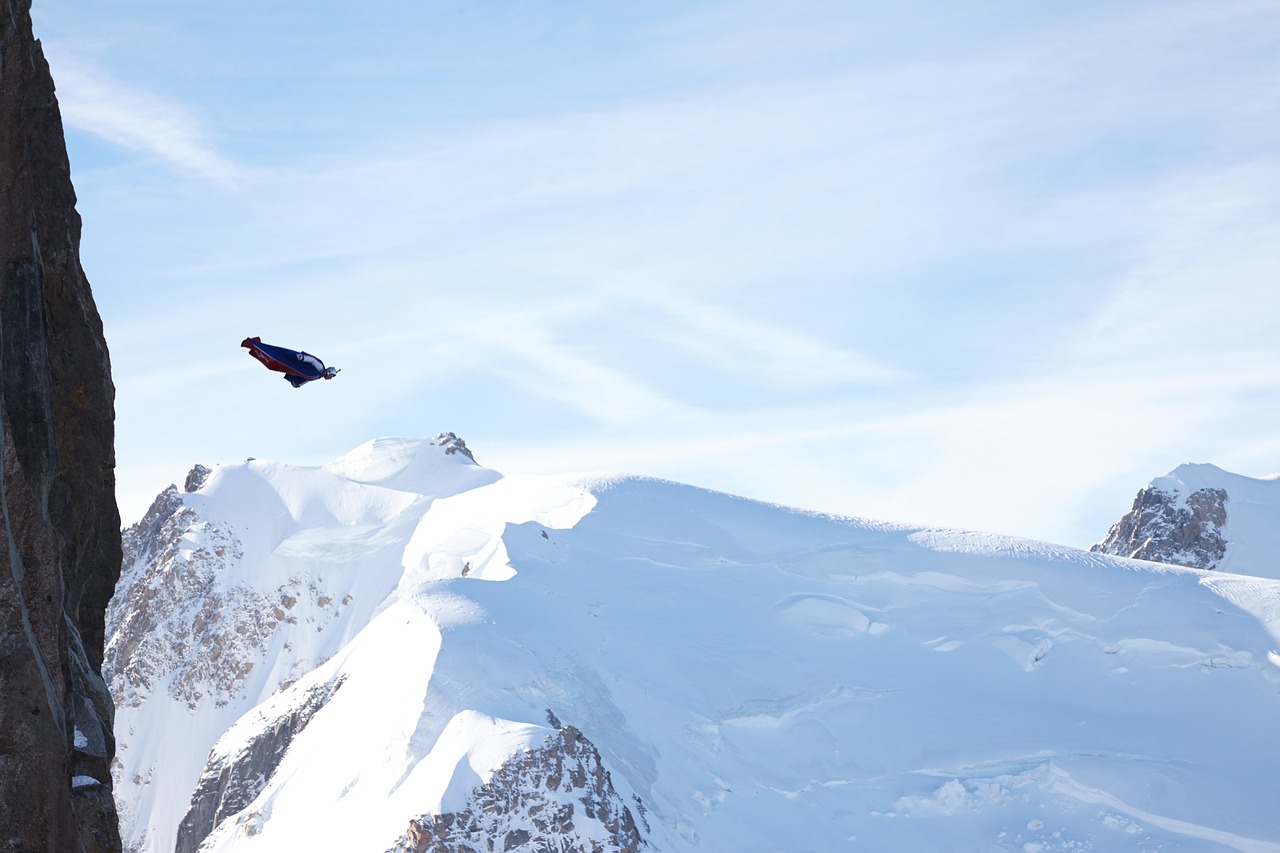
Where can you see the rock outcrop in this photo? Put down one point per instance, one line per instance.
(57, 483)
(555, 799)
(231, 780)
(175, 625)
(178, 625)
(1170, 527)
(452, 444)
(183, 630)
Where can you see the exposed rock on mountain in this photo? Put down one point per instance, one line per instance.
(555, 799)
(195, 479)
(233, 779)
(173, 566)
(182, 632)
(452, 444)
(60, 518)
(1170, 527)
(1203, 517)
(223, 606)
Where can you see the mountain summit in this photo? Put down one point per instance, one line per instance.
(1201, 516)
(403, 650)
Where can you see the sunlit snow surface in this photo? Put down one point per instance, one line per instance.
(760, 679)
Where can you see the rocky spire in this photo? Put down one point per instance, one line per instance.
(57, 482)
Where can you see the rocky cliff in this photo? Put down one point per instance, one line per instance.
(1170, 526)
(57, 482)
(1201, 516)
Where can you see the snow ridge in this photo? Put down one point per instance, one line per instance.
(751, 678)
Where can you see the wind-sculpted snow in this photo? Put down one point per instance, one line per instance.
(749, 678)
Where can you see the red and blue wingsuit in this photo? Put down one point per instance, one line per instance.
(298, 367)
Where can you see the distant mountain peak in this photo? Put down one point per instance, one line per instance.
(405, 463)
(1192, 476)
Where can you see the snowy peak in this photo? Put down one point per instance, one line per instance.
(404, 650)
(411, 464)
(259, 573)
(1196, 476)
(1199, 515)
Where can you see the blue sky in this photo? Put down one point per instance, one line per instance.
(992, 265)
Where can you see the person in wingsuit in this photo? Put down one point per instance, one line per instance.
(298, 367)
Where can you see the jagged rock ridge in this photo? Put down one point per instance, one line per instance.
(174, 563)
(176, 620)
(61, 524)
(452, 444)
(558, 798)
(177, 625)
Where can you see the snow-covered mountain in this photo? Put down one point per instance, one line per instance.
(403, 650)
(1201, 516)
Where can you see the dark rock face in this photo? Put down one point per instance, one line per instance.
(452, 444)
(556, 799)
(196, 478)
(57, 481)
(1164, 528)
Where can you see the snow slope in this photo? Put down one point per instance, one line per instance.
(754, 678)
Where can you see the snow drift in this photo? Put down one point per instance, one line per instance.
(405, 650)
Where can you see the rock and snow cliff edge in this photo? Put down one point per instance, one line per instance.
(403, 650)
(1201, 516)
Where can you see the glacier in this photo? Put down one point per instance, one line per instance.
(402, 642)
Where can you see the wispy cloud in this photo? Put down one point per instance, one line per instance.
(954, 265)
(770, 352)
(141, 121)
